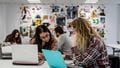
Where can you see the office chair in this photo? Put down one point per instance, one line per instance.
(116, 50)
(4, 55)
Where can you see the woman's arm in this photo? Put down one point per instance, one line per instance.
(19, 41)
(32, 41)
(90, 55)
(54, 45)
(7, 39)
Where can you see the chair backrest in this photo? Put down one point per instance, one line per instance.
(118, 42)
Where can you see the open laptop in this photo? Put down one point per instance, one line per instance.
(55, 59)
(25, 54)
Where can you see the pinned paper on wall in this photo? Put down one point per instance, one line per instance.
(55, 8)
(61, 14)
(96, 15)
(32, 31)
(102, 12)
(61, 21)
(72, 12)
(102, 20)
(45, 17)
(24, 31)
(52, 19)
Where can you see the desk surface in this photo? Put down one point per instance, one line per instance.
(114, 45)
(8, 64)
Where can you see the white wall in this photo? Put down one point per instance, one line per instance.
(111, 22)
(118, 23)
(111, 25)
(2, 22)
(10, 14)
(12, 17)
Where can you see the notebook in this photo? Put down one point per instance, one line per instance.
(54, 59)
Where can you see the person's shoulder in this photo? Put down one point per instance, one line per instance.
(95, 38)
(53, 39)
(8, 36)
(64, 35)
(98, 41)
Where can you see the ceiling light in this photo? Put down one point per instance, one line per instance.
(34, 1)
(91, 1)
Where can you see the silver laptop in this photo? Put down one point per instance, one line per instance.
(25, 54)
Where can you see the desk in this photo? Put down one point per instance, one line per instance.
(8, 64)
(117, 46)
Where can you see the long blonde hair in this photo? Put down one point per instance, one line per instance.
(84, 32)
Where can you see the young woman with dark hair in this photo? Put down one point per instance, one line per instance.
(14, 37)
(44, 39)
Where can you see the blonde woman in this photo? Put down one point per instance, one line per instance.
(89, 49)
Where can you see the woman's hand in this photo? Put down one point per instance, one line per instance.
(67, 56)
(41, 56)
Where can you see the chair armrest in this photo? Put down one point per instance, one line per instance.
(0, 51)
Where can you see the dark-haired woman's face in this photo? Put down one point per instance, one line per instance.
(16, 35)
(45, 36)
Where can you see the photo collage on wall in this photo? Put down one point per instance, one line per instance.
(30, 19)
(96, 15)
(72, 12)
(52, 15)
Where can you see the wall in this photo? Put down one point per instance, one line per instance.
(10, 13)
(12, 17)
(13, 14)
(111, 23)
(118, 22)
(2, 22)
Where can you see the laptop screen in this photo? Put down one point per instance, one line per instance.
(25, 54)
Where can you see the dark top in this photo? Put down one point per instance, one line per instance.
(12, 40)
